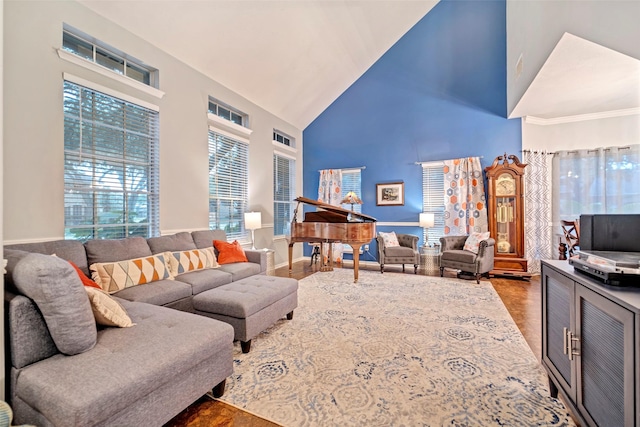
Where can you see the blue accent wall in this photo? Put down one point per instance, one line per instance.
(439, 93)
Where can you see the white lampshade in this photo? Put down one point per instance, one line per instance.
(426, 220)
(252, 220)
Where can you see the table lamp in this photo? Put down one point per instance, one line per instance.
(426, 221)
(351, 198)
(252, 221)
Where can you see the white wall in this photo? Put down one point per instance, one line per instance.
(33, 152)
(535, 27)
(609, 132)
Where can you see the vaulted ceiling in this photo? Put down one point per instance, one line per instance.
(292, 58)
(582, 80)
(295, 57)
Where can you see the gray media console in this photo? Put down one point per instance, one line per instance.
(590, 346)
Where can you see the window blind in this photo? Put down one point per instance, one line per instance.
(283, 193)
(111, 157)
(228, 184)
(433, 200)
(351, 181)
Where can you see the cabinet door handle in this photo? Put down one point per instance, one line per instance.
(564, 340)
(571, 351)
(570, 340)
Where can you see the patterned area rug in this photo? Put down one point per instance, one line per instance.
(394, 349)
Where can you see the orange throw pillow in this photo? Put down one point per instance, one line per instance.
(84, 278)
(229, 252)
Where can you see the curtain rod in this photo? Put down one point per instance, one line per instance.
(358, 167)
(536, 151)
(440, 161)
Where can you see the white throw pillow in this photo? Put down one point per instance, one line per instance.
(390, 239)
(106, 310)
(472, 244)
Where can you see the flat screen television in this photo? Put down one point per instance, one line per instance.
(610, 232)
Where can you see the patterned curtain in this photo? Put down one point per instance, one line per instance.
(465, 207)
(537, 209)
(330, 191)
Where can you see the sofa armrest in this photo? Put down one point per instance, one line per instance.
(259, 257)
(449, 243)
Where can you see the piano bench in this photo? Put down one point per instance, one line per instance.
(250, 305)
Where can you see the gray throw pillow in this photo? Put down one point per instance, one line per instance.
(12, 256)
(53, 284)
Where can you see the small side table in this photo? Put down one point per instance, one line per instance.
(271, 264)
(430, 260)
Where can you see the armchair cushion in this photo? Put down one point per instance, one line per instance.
(390, 239)
(473, 241)
(399, 251)
(458, 255)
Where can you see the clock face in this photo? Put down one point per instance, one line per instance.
(505, 185)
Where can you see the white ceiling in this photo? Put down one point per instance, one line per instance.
(295, 57)
(291, 57)
(582, 80)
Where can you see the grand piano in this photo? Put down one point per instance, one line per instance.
(332, 224)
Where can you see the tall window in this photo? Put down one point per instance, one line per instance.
(228, 184)
(284, 169)
(433, 199)
(110, 166)
(598, 181)
(351, 181)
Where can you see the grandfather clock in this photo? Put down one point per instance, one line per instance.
(505, 178)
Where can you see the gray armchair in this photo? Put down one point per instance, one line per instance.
(454, 256)
(406, 253)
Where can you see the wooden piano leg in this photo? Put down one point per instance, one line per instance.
(330, 258)
(290, 258)
(356, 261)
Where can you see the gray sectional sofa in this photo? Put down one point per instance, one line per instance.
(141, 375)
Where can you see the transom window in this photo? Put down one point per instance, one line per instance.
(228, 184)
(224, 111)
(110, 166)
(107, 57)
(282, 138)
(284, 176)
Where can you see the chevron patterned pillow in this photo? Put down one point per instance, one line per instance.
(196, 259)
(115, 276)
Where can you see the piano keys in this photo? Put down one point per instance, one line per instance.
(332, 224)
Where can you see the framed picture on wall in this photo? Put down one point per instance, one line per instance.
(390, 194)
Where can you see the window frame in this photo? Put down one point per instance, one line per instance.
(105, 131)
(105, 50)
(218, 105)
(354, 185)
(282, 139)
(433, 200)
(291, 185)
(239, 176)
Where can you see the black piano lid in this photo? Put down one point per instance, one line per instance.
(336, 209)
